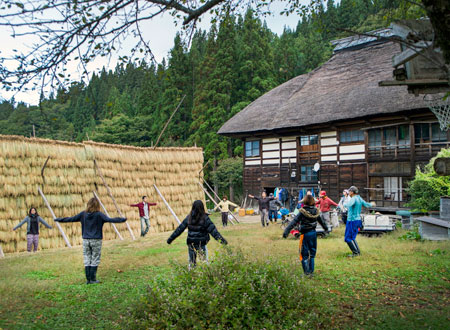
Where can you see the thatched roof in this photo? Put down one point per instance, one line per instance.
(345, 87)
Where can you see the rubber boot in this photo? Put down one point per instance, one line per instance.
(305, 266)
(94, 275)
(357, 246)
(87, 271)
(311, 266)
(353, 249)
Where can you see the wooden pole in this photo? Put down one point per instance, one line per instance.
(217, 205)
(2, 255)
(112, 197)
(106, 212)
(54, 217)
(210, 188)
(168, 121)
(43, 169)
(167, 204)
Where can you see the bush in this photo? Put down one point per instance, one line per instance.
(230, 293)
(427, 187)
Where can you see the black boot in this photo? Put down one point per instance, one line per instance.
(357, 247)
(87, 271)
(353, 248)
(94, 275)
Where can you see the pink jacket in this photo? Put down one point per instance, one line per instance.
(141, 207)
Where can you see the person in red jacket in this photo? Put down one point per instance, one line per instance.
(144, 213)
(325, 203)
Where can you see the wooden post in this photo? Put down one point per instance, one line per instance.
(2, 255)
(167, 204)
(112, 197)
(210, 188)
(217, 205)
(54, 217)
(43, 169)
(168, 121)
(34, 132)
(106, 212)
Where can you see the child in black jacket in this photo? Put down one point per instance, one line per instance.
(308, 217)
(199, 227)
(92, 221)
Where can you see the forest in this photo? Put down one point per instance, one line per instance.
(220, 71)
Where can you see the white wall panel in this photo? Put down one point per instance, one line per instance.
(293, 160)
(289, 145)
(330, 133)
(271, 154)
(328, 151)
(352, 149)
(289, 153)
(271, 161)
(328, 142)
(352, 157)
(253, 162)
(272, 146)
(329, 158)
(290, 138)
(272, 140)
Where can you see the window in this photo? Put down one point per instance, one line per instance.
(392, 188)
(252, 149)
(436, 134)
(422, 133)
(308, 140)
(351, 136)
(389, 135)
(375, 138)
(403, 135)
(307, 174)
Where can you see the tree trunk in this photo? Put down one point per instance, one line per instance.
(230, 182)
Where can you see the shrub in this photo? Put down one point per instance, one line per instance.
(230, 293)
(427, 187)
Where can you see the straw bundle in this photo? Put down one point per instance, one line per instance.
(70, 178)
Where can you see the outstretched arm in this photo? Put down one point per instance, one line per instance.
(332, 202)
(291, 225)
(215, 233)
(20, 223)
(105, 218)
(322, 223)
(350, 203)
(177, 232)
(234, 205)
(135, 205)
(45, 223)
(76, 218)
(366, 204)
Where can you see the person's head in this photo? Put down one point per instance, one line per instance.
(144, 199)
(224, 198)
(270, 195)
(345, 192)
(32, 211)
(309, 193)
(309, 200)
(93, 205)
(264, 194)
(352, 191)
(197, 213)
(323, 194)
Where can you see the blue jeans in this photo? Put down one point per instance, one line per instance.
(351, 230)
(273, 215)
(308, 249)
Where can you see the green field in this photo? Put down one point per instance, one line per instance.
(394, 284)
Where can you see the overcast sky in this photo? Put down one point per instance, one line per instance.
(159, 32)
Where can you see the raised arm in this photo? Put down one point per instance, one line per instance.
(105, 218)
(322, 223)
(21, 223)
(291, 225)
(135, 205)
(177, 232)
(214, 232)
(152, 204)
(44, 223)
(76, 218)
(366, 204)
(234, 205)
(332, 202)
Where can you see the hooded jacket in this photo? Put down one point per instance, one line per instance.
(198, 234)
(273, 204)
(307, 217)
(28, 221)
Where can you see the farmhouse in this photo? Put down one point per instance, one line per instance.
(337, 115)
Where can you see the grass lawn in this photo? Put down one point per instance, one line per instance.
(394, 284)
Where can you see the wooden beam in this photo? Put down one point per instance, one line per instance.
(112, 197)
(43, 169)
(168, 121)
(106, 212)
(410, 53)
(2, 255)
(54, 217)
(412, 82)
(217, 205)
(210, 188)
(167, 204)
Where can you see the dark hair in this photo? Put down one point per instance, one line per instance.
(309, 200)
(143, 197)
(198, 213)
(93, 205)
(224, 197)
(29, 212)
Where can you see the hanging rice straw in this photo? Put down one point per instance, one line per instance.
(167, 204)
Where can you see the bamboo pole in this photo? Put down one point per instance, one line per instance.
(168, 121)
(54, 217)
(217, 205)
(167, 204)
(2, 255)
(113, 199)
(210, 188)
(107, 214)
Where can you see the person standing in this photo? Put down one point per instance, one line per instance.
(344, 199)
(263, 203)
(325, 204)
(273, 208)
(32, 219)
(224, 207)
(92, 221)
(144, 213)
(354, 223)
(199, 227)
(307, 218)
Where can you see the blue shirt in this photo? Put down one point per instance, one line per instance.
(354, 206)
